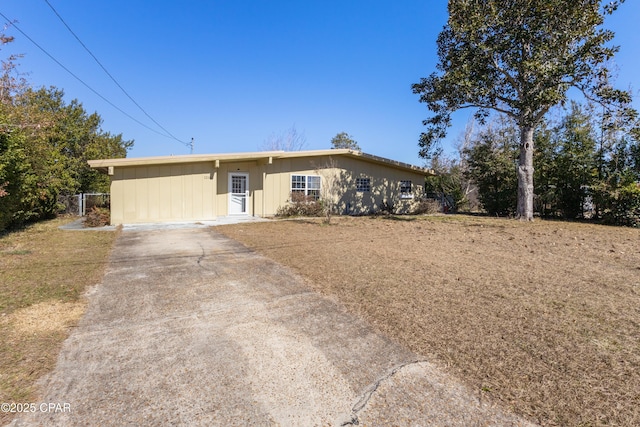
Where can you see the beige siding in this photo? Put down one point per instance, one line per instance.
(200, 190)
(385, 184)
(385, 187)
(181, 192)
(255, 180)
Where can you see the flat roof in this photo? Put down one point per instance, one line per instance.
(103, 164)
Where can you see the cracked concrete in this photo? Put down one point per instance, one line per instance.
(191, 328)
(419, 394)
(364, 398)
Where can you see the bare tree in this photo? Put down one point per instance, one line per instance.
(330, 187)
(12, 81)
(289, 140)
(465, 142)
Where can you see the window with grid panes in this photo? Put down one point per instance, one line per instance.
(313, 186)
(363, 184)
(405, 190)
(309, 185)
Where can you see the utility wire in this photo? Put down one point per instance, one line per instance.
(79, 79)
(109, 74)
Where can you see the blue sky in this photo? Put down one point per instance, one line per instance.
(231, 73)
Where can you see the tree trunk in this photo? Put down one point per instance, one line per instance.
(525, 175)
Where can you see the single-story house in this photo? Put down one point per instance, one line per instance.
(205, 186)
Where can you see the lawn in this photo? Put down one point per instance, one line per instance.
(43, 273)
(543, 317)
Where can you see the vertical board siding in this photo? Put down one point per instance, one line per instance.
(163, 193)
(200, 191)
(153, 188)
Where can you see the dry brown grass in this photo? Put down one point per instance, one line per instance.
(542, 316)
(43, 273)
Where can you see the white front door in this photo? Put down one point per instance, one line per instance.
(238, 193)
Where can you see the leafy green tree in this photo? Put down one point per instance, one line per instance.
(575, 162)
(491, 165)
(45, 143)
(545, 174)
(519, 58)
(449, 180)
(569, 176)
(617, 192)
(102, 145)
(634, 159)
(60, 137)
(344, 140)
(18, 184)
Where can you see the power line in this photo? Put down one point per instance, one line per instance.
(79, 79)
(109, 74)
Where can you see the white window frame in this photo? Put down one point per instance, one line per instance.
(304, 185)
(363, 184)
(406, 189)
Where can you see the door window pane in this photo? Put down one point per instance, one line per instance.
(238, 184)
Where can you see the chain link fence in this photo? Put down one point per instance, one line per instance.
(80, 204)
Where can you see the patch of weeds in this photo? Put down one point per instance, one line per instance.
(405, 218)
(98, 217)
(428, 206)
(17, 252)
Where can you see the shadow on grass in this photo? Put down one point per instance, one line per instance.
(402, 218)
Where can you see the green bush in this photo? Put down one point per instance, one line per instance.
(625, 206)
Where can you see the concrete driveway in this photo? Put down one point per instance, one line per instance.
(191, 328)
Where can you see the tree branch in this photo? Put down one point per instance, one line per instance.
(508, 76)
(489, 107)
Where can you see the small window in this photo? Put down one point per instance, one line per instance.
(406, 190)
(363, 184)
(307, 185)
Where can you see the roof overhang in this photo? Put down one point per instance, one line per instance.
(264, 157)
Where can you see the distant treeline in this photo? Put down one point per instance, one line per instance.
(584, 167)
